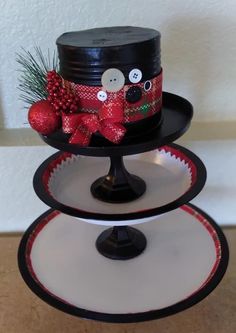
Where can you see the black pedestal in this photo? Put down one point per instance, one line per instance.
(121, 243)
(118, 185)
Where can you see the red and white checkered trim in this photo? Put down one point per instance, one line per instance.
(152, 99)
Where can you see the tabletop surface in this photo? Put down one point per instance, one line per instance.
(21, 311)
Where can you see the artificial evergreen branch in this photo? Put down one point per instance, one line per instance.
(33, 74)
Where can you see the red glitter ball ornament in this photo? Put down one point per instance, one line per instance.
(43, 118)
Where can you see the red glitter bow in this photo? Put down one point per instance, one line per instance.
(107, 121)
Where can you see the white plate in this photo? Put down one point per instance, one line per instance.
(182, 257)
(170, 174)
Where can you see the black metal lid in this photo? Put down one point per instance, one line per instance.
(85, 55)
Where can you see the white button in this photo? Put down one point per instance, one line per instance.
(102, 95)
(135, 75)
(113, 80)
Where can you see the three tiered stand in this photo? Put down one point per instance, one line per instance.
(173, 259)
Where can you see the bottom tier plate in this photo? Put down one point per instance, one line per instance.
(185, 259)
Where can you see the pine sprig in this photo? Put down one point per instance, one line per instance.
(33, 74)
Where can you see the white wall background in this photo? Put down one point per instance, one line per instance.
(198, 45)
(198, 57)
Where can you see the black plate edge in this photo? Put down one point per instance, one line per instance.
(130, 317)
(186, 197)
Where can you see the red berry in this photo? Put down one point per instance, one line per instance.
(60, 97)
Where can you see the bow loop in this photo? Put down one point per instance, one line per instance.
(92, 123)
(108, 121)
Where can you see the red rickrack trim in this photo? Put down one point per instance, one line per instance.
(183, 158)
(51, 168)
(215, 238)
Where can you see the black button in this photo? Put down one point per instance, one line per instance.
(147, 85)
(134, 94)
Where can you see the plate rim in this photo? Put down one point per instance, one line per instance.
(193, 191)
(194, 298)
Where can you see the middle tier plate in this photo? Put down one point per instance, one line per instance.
(173, 175)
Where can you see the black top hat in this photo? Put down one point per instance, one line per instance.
(85, 55)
